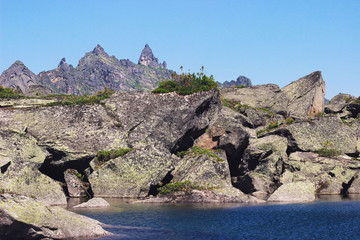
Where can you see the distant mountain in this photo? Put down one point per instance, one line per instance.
(241, 80)
(18, 76)
(95, 71)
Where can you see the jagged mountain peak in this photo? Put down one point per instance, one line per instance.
(17, 63)
(62, 62)
(147, 58)
(99, 50)
(64, 66)
(18, 76)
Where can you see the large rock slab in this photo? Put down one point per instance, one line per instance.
(262, 165)
(312, 135)
(24, 178)
(133, 174)
(338, 103)
(20, 160)
(329, 175)
(300, 99)
(94, 203)
(303, 191)
(25, 218)
(209, 171)
(258, 96)
(305, 96)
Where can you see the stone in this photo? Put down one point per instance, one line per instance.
(25, 218)
(133, 174)
(262, 165)
(196, 196)
(302, 191)
(313, 135)
(76, 186)
(258, 96)
(338, 103)
(210, 171)
(305, 96)
(300, 99)
(329, 175)
(94, 203)
(20, 159)
(24, 178)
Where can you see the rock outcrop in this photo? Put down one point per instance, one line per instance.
(240, 81)
(300, 99)
(260, 145)
(94, 203)
(24, 218)
(155, 126)
(21, 159)
(294, 192)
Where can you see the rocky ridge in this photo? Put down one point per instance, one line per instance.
(94, 72)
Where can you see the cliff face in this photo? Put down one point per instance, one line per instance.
(95, 71)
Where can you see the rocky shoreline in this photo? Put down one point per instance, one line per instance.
(251, 145)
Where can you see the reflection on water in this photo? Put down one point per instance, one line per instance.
(337, 198)
(327, 218)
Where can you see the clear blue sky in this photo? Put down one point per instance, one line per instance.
(269, 41)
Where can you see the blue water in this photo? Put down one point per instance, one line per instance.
(318, 220)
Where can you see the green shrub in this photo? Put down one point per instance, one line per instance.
(80, 176)
(104, 156)
(9, 93)
(348, 99)
(199, 150)
(171, 188)
(289, 120)
(241, 86)
(326, 152)
(265, 110)
(228, 104)
(272, 125)
(185, 84)
(72, 100)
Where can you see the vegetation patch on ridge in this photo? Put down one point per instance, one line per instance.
(9, 93)
(185, 84)
(72, 100)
